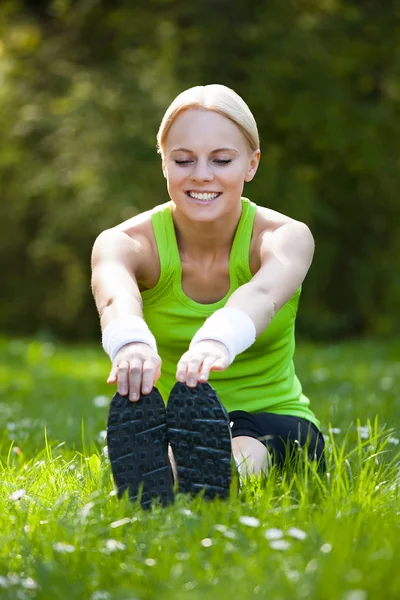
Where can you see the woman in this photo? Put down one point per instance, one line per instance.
(203, 287)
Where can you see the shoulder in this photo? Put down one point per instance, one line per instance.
(268, 220)
(272, 229)
(133, 243)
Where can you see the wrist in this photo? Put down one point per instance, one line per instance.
(126, 330)
(230, 326)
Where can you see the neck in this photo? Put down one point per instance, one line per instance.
(206, 239)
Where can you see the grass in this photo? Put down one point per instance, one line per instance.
(64, 534)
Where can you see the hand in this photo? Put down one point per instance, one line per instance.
(136, 368)
(196, 364)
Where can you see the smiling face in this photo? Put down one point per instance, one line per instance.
(206, 161)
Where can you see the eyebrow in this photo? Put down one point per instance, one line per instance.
(212, 152)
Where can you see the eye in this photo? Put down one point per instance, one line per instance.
(222, 162)
(183, 162)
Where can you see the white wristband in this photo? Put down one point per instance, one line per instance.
(232, 327)
(126, 330)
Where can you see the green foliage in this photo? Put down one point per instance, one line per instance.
(83, 89)
(65, 535)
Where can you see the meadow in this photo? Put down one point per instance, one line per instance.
(298, 535)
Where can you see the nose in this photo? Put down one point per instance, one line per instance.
(201, 171)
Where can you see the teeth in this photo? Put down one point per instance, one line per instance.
(203, 196)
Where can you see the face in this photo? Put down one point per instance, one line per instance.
(206, 162)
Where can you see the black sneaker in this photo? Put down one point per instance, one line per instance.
(200, 437)
(138, 448)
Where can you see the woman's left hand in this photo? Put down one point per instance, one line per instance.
(195, 365)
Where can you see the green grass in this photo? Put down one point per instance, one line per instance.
(64, 534)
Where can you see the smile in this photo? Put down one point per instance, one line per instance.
(204, 196)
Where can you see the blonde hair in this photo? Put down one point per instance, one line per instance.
(217, 98)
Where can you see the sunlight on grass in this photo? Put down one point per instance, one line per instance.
(296, 534)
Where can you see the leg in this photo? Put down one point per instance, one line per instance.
(199, 435)
(281, 436)
(138, 448)
(251, 456)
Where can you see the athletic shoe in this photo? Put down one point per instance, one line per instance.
(200, 437)
(138, 448)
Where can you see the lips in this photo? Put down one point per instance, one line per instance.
(202, 196)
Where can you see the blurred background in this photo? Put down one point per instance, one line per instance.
(84, 85)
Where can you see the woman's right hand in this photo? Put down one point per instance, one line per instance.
(136, 368)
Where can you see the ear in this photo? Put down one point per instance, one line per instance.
(254, 161)
(164, 170)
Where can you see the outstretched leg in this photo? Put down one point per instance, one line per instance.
(200, 438)
(251, 456)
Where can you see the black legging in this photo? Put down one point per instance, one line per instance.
(281, 434)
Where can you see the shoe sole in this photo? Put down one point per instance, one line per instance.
(138, 448)
(200, 438)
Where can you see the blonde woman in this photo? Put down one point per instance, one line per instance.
(203, 287)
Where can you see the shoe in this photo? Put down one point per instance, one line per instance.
(200, 438)
(138, 448)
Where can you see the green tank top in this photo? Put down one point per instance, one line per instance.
(260, 379)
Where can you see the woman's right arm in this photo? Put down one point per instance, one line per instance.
(117, 261)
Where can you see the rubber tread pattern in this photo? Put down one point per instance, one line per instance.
(200, 438)
(138, 448)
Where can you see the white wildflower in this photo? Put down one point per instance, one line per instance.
(326, 548)
(29, 584)
(105, 452)
(17, 495)
(363, 431)
(4, 582)
(114, 545)
(335, 430)
(150, 562)
(311, 567)
(86, 509)
(101, 436)
(101, 401)
(279, 545)
(393, 440)
(273, 534)
(249, 521)
(228, 533)
(207, 542)
(297, 533)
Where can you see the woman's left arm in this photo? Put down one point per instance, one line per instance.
(285, 256)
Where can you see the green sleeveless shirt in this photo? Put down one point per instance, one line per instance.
(261, 379)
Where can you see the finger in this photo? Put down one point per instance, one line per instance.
(206, 367)
(148, 374)
(157, 374)
(135, 379)
(193, 371)
(112, 378)
(181, 369)
(122, 377)
(220, 365)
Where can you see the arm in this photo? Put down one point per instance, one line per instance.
(285, 256)
(117, 260)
